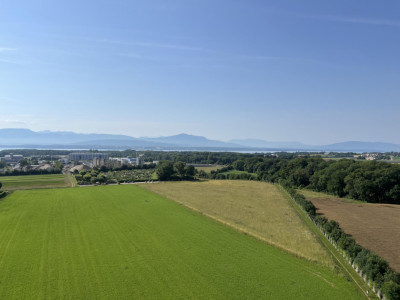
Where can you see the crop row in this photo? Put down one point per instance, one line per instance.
(112, 177)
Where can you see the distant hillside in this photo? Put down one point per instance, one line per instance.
(16, 136)
(31, 139)
(351, 146)
(362, 147)
(188, 140)
(266, 144)
(26, 138)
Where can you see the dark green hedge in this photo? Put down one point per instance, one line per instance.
(375, 268)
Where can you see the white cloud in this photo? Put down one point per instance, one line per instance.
(19, 120)
(152, 45)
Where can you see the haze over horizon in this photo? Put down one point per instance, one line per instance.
(317, 73)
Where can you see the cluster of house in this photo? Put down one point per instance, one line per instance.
(11, 158)
(87, 160)
(367, 156)
(72, 162)
(13, 162)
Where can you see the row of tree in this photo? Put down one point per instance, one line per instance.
(369, 181)
(374, 268)
(15, 172)
(127, 167)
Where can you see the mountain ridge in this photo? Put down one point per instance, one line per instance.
(20, 137)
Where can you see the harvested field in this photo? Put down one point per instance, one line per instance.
(257, 208)
(374, 226)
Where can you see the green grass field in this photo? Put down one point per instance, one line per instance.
(257, 208)
(313, 195)
(209, 169)
(12, 183)
(123, 242)
(237, 172)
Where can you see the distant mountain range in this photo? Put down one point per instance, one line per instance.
(187, 140)
(264, 144)
(26, 138)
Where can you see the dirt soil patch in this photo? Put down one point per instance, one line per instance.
(374, 226)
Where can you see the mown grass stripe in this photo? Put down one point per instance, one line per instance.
(122, 242)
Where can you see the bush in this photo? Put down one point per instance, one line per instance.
(391, 290)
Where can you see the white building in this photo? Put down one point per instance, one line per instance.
(87, 156)
(11, 158)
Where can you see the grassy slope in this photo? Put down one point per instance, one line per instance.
(122, 242)
(340, 261)
(12, 183)
(258, 208)
(312, 195)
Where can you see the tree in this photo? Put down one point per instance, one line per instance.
(165, 170)
(179, 168)
(1, 185)
(58, 165)
(203, 174)
(391, 290)
(23, 162)
(238, 165)
(87, 177)
(190, 171)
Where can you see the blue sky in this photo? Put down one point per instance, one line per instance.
(311, 71)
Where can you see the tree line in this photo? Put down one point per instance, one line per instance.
(126, 167)
(369, 181)
(30, 172)
(374, 268)
(96, 176)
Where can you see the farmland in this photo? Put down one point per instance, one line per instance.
(209, 169)
(123, 242)
(12, 183)
(110, 177)
(257, 208)
(374, 226)
(236, 172)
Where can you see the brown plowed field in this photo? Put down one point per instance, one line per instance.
(374, 226)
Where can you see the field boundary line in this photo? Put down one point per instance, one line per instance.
(242, 230)
(325, 242)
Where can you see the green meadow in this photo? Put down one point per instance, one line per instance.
(124, 242)
(11, 183)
